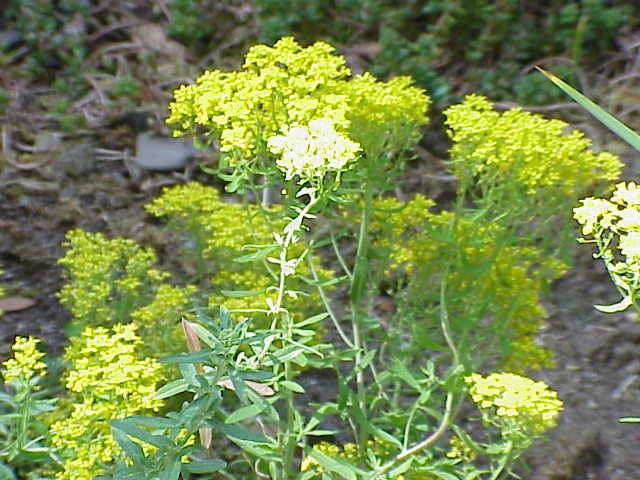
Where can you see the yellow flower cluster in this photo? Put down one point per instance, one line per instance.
(26, 361)
(517, 401)
(107, 279)
(107, 381)
(311, 151)
(277, 86)
(220, 230)
(288, 85)
(525, 148)
(503, 284)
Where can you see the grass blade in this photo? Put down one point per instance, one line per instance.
(612, 123)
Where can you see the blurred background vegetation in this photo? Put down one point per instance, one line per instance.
(121, 50)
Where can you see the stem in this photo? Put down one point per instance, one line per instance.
(360, 274)
(276, 309)
(503, 462)
(327, 305)
(448, 414)
(427, 442)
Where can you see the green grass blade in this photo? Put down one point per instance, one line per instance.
(612, 123)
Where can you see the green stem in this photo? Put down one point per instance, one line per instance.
(358, 282)
(427, 442)
(503, 463)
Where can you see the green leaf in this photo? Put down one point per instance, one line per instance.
(333, 464)
(291, 386)
(171, 389)
(612, 123)
(153, 422)
(204, 466)
(312, 320)
(244, 413)
(629, 420)
(370, 427)
(241, 293)
(140, 434)
(321, 433)
(206, 336)
(400, 370)
(195, 357)
(128, 446)
(237, 432)
(172, 473)
(258, 255)
(443, 475)
(6, 473)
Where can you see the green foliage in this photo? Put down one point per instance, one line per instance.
(189, 20)
(47, 29)
(125, 86)
(494, 281)
(109, 379)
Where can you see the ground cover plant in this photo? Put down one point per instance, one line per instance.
(300, 249)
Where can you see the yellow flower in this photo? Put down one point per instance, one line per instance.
(526, 148)
(520, 401)
(25, 362)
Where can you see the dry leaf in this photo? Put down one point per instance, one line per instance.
(258, 387)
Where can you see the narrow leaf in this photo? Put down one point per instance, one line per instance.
(244, 413)
(238, 432)
(205, 466)
(616, 307)
(171, 389)
(612, 123)
(241, 293)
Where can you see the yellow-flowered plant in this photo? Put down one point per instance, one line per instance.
(538, 154)
(288, 85)
(519, 405)
(26, 361)
(108, 380)
(113, 281)
(494, 285)
(107, 279)
(277, 85)
(24, 437)
(614, 226)
(202, 219)
(519, 166)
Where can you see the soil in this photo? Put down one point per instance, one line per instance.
(597, 356)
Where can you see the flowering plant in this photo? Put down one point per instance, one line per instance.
(324, 267)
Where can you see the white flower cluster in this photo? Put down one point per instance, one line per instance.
(311, 151)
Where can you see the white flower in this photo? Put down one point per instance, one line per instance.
(311, 151)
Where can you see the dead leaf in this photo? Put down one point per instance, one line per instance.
(258, 387)
(15, 304)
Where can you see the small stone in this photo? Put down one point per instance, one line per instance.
(162, 153)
